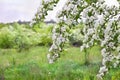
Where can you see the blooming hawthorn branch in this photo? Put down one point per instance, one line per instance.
(101, 26)
(45, 6)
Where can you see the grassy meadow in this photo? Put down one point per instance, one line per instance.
(32, 65)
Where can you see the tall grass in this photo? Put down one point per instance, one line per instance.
(33, 65)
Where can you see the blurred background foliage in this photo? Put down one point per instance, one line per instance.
(23, 36)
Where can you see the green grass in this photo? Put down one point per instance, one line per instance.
(32, 64)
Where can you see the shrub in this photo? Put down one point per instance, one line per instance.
(2, 25)
(45, 32)
(6, 38)
(76, 37)
(21, 37)
(22, 42)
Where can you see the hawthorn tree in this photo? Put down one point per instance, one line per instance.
(101, 27)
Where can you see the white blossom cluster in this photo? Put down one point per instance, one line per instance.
(59, 38)
(70, 13)
(101, 26)
(60, 34)
(43, 9)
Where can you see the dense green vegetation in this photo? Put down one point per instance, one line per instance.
(23, 36)
(23, 51)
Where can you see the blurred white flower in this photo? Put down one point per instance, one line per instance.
(103, 69)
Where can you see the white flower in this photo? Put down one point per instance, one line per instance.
(94, 36)
(50, 61)
(111, 44)
(116, 64)
(50, 50)
(104, 60)
(47, 1)
(100, 19)
(48, 56)
(90, 31)
(54, 36)
(70, 6)
(53, 47)
(63, 29)
(103, 51)
(54, 29)
(99, 76)
(82, 48)
(85, 38)
(118, 39)
(103, 69)
(56, 55)
(69, 21)
(60, 39)
(87, 45)
(103, 43)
